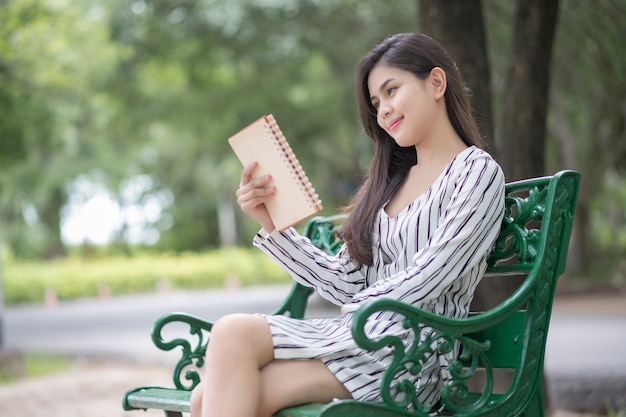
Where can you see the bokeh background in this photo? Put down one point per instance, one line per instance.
(115, 114)
(115, 172)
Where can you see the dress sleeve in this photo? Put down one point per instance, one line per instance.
(461, 240)
(336, 278)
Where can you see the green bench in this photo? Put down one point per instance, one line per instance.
(511, 336)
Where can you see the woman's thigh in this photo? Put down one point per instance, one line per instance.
(290, 382)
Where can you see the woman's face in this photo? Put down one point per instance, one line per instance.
(405, 105)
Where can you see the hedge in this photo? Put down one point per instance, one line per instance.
(74, 277)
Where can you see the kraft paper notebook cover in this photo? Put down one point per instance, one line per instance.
(295, 198)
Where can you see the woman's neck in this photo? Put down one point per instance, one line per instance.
(440, 149)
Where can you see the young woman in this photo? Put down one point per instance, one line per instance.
(419, 231)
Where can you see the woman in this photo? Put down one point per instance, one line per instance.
(420, 229)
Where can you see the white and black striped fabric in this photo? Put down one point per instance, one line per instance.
(431, 255)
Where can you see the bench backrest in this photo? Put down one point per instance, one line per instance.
(533, 240)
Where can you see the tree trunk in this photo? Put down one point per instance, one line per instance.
(51, 218)
(226, 221)
(523, 125)
(581, 246)
(2, 341)
(458, 26)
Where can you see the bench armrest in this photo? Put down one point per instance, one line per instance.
(185, 374)
(452, 337)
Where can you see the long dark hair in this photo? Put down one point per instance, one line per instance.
(418, 54)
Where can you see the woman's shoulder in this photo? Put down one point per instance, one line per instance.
(475, 161)
(475, 154)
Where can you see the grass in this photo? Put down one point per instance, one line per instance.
(38, 364)
(620, 411)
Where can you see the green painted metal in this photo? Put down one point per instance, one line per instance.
(307, 410)
(186, 375)
(168, 399)
(505, 340)
(533, 240)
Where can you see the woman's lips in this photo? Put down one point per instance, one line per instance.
(392, 125)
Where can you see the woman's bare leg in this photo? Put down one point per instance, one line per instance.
(290, 382)
(195, 402)
(240, 346)
(242, 378)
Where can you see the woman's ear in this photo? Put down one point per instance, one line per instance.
(438, 82)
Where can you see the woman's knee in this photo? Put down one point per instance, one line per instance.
(237, 327)
(241, 332)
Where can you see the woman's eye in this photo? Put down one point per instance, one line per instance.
(391, 90)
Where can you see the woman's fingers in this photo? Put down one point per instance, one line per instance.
(255, 188)
(246, 173)
(251, 196)
(247, 182)
(253, 193)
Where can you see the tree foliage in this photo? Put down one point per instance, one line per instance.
(137, 99)
(587, 128)
(200, 70)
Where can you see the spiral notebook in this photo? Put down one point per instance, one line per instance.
(295, 198)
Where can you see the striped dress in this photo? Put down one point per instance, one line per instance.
(431, 255)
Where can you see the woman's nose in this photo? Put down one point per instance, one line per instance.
(384, 109)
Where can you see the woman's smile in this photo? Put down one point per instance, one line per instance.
(394, 123)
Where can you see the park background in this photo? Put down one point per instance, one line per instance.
(116, 171)
(116, 176)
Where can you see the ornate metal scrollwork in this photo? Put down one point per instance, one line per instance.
(456, 392)
(323, 233)
(519, 236)
(185, 374)
(399, 387)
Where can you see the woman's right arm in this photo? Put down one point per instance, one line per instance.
(336, 278)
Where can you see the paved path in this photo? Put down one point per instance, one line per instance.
(585, 360)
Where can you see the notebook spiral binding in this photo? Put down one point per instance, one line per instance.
(295, 167)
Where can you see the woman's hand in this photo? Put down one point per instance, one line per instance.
(252, 195)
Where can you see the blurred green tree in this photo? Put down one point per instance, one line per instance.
(241, 59)
(52, 78)
(587, 128)
(136, 100)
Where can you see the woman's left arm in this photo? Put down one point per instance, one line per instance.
(335, 277)
(463, 237)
